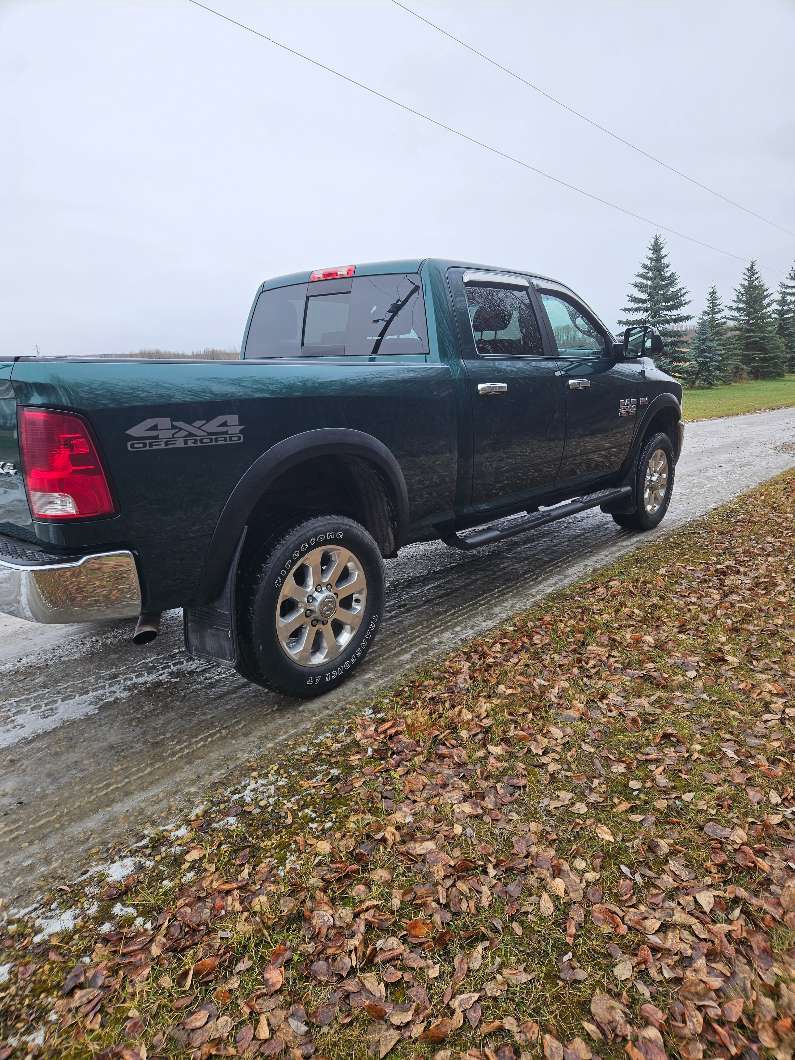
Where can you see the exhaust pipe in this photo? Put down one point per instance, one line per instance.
(147, 627)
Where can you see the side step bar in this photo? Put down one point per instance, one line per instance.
(531, 522)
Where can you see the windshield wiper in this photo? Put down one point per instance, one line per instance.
(391, 313)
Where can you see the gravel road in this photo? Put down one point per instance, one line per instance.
(99, 737)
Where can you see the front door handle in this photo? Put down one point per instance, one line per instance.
(492, 388)
(579, 384)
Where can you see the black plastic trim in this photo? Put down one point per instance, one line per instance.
(337, 441)
(490, 534)
(657, 404)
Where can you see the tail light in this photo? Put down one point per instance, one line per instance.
(63, 473)
(340, 272)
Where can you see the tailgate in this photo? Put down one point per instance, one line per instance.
(14, 511)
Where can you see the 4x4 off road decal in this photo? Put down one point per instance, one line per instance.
(161, 432)
(627, 406)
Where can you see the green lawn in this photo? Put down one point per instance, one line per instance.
(736, 398)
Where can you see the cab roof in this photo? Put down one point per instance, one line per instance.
(380, 268)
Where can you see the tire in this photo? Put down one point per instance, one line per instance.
(324, 639)
(653, 484)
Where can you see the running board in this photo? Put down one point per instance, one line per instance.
(537, 519)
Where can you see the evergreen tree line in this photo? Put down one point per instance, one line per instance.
(751, 338)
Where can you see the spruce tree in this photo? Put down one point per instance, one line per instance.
(705, 355)
(785, 318)
(716, 318)
(657, 297)
(757, 343)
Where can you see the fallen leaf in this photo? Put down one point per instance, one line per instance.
(464, 1001)
(387, 1040)
(609, 1014)
(263, 1031)
(706, 899)
(205, 967)
(553, 1050)
(244, 1038)
(419, 929)
(733, 1009)
(438, 1031)
(272, 978)
(198, 1019)
(716, 831)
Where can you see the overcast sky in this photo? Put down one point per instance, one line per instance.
(157, 163)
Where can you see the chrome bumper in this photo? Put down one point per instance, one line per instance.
(89, 589)
(681, 439)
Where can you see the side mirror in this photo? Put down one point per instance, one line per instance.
(642, 339)
(635, 341)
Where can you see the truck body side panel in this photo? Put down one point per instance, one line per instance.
(171, 477)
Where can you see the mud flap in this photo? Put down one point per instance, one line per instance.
(627, 504)
(211, 629)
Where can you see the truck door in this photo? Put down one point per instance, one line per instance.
(516, 401)
(601, 393)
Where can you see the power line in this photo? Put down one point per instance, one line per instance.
(462, 135)
(590, 121)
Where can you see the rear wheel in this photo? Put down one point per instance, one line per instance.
(312, 607)
(654, 483)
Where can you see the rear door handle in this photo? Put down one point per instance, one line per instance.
(492, 388)
(579, 384)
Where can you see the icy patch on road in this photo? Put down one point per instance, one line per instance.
(24, 717)
(30, 723)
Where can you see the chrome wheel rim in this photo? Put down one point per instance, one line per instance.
(655, 484)
(321, 605)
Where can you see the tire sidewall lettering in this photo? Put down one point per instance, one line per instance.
(345, 667)
(305, 546)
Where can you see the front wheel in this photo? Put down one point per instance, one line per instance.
(653, 485)
(311, 607)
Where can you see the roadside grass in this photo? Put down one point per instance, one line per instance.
(736, 398)
(574, 836)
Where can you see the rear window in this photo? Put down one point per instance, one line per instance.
(363, 316)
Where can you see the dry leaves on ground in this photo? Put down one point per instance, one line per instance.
(574, 838)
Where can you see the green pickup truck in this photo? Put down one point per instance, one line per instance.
(372, 406)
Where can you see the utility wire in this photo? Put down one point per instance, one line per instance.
(462, 135)
(590, 121)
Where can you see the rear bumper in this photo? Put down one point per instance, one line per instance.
(43, 588)
(681, 426)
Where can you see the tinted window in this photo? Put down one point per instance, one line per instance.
(503, 321)
(277, 322)
(326, 324)
(387, 315)
(369, 315)
(574, 332)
